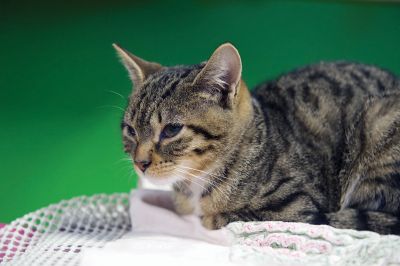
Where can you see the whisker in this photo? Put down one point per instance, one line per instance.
(127, 159)
(200, 185)
(221, 178)
(228, 187)
(131, 176)
(198, 177)
(124, 161)
(212, 182)
(116, 93)
(112, 106)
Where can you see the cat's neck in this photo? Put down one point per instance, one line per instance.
(241, 161)
(249, 118)
(248, 142)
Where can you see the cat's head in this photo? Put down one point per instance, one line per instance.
(182, 121)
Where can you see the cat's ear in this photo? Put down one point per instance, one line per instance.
(222, 72)
(138, 68)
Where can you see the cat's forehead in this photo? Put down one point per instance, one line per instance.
(163, 93)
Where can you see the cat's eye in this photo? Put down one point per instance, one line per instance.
(131, 131)
(171, 130)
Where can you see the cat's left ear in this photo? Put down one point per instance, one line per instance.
(138, 68)
(222, 73)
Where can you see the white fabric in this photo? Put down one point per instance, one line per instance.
(157, 249)
(159, 235)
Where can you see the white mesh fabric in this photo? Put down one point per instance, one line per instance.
(56, 235)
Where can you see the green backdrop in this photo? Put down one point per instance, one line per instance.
(59, 120)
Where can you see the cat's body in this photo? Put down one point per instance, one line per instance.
(318, 145)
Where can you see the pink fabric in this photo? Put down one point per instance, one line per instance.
(2, 225)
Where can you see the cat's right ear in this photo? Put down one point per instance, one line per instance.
(138, 68)
(221, 74)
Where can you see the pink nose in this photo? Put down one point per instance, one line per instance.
(143, 165)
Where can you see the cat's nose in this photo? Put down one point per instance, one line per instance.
(143, 165)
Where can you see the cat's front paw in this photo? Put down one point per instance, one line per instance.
(213, 222)
(182, 204)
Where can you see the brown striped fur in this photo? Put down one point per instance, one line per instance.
(319, 145)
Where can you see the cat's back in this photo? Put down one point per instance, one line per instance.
(335, 79)
(313, 105)
(321, 89)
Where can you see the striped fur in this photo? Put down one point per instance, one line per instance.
(318, 145)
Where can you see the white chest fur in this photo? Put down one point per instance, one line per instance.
(197, 187)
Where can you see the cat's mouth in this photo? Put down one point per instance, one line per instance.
(184, 171)
(158, 180)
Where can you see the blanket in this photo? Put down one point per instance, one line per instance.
(159, 235)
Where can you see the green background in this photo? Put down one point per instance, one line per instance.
(59, 121)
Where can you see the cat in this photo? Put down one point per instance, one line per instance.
(318, 145)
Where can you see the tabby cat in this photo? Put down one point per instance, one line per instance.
(318, 145)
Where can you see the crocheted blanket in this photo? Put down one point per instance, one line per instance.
(280, 243)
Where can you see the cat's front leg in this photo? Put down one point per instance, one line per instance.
(182, 204)
(214, 221)
(218, 220)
